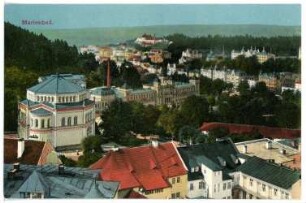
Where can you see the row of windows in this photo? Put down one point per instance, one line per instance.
(263, 188)
(175, 195)
(43, 124)
(224, 186)
(60, 99)
(154, 191)
(201, 186)
(67, 99)
(176, 180)
(75, 121)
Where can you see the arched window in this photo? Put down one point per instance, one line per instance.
(37, 98)
(42, 123)
(69, 121)
(52, 99)
(36, 123)
(67, 99)
(63, 121)
(75, 120)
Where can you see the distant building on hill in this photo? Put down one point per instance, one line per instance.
(147, 40)
(262, 56)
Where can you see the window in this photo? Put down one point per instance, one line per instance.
(59, 99)
(173, 180)
(251, 182)
(215, 188)
(191, 186)
(52, 99)
(63, 121)
(287, 196)
(36, 195)
(42, 123)
(201, 185)
(204, 171)
(75, 120)
(263, 187)
(177, 195)
(224, 186)
(173, 195)
(178, 179)
(229, 185)
(48, 123)
(69, 121)
(36, 123)
(275, 192)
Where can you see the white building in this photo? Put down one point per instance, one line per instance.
(189, 55)
(58, 111)
(209, 167)
(262, 56)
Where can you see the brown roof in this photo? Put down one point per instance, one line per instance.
(31, 155)
(271, 132)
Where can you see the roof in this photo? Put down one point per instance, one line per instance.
(209, 155)
(74, 182)
(102, 91)
(79, 104)
(31, 155)
(56, 84)
(263, 130)
(258, 148)
(269, 172)
(145, 166)
(41, 112)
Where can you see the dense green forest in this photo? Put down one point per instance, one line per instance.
(28, 56)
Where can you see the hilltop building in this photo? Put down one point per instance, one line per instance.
(262, 56)
(58, 111)
(189, 55)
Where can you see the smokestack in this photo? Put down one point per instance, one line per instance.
(20, 148)
(108, 80)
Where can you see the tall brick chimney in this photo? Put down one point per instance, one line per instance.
(108, 79)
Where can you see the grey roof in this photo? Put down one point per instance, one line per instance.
(41, 112)
(208, 154)
(86, 102)
(102, 91)
(75, 182)
(270, 172)
(56, 84)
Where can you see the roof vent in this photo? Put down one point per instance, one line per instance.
(283, 151)
(269, 144)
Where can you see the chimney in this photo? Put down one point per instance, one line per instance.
(245, 149)
(269, 144)
(108, 79)
(20, 148)
(155, 143)
(16, 166)
(61, 169)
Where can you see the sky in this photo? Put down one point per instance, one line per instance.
(120, 15)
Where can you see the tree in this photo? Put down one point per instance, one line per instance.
(217, 133)
(244, 87)
(195, 110)
(189, 135)
(130, 76)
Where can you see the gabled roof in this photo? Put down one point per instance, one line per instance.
(56, 84)
(270, 172)
(32, 151)
(146, 166)
(74, 182)
(34, 183)
(209, 155)
(41, 112)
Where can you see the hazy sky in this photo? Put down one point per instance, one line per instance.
(80, 16)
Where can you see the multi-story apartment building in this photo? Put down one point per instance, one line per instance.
(56, 110)
(263, 179)
(155, 171)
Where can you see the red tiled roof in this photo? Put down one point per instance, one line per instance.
(263, 130)
(31, 155)
(135, 195)
(147, 166)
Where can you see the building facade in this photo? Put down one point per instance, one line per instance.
(56, 111)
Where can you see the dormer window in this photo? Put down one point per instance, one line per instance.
(196, 169)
